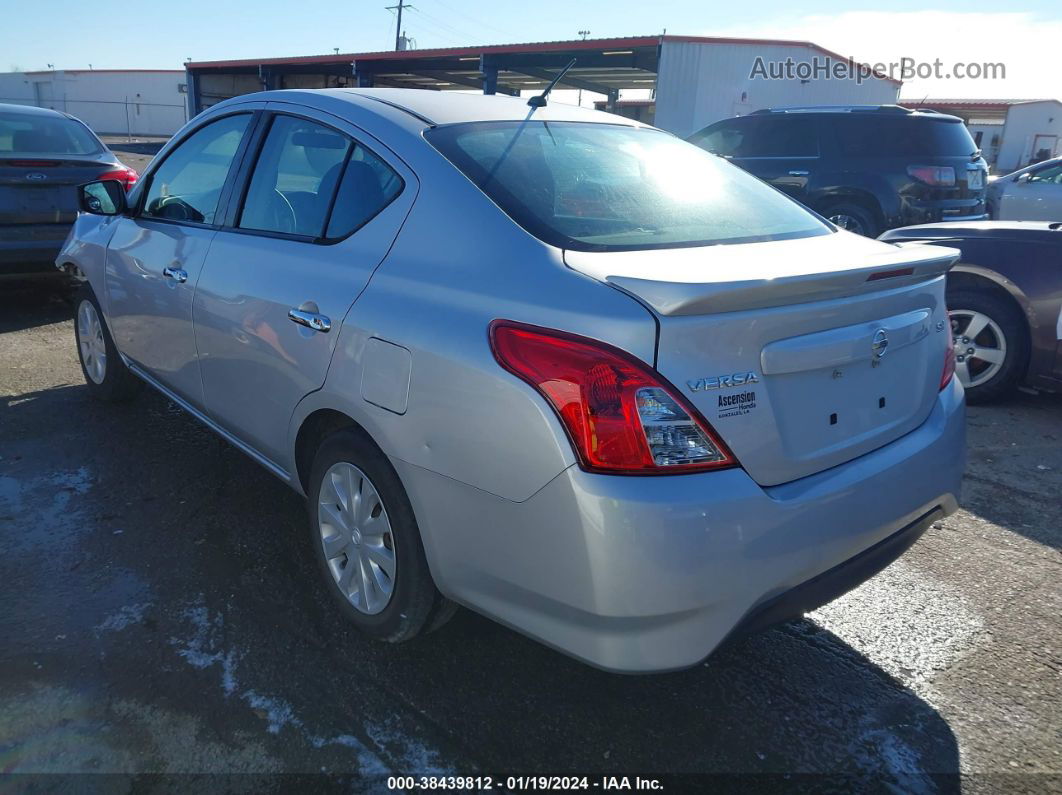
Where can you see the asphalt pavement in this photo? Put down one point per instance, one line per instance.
(161, 615)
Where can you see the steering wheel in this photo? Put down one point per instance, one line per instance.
(284, 218)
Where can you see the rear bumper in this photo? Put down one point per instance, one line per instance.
(30, 250)
(640, 574)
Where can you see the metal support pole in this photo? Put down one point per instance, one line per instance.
(193, 94)
(489, 71)
(362, 77)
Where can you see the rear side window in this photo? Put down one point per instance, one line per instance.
(368, 185)
(309, 175)
(45, 135)
(187, 186)
(782, 136)
(295, 178)
(604, 187)
(878, 135)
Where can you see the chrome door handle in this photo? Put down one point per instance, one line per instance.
(798, 173)
(179, 275)
(314, 320)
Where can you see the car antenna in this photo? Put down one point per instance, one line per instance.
(539, 100)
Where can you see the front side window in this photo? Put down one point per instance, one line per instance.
(600, 187)
(26, 134)
(187, 186)
(1051, 175)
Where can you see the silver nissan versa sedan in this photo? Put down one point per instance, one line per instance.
(551, 364)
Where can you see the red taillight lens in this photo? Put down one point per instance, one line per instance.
(621, 416)
(126, 176)
(938, 176)
(949, 366)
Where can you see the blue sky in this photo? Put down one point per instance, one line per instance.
(110, 34)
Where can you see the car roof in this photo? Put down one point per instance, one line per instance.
(434, 108)
(31, 110)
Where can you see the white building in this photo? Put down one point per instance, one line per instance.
(110, 101)
(696, 80)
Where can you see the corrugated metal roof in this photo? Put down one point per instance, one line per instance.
(526, 47)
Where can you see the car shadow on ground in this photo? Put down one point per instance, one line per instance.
(185, 573)
(25, 305)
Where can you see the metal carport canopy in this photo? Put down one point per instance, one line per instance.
(602, 66)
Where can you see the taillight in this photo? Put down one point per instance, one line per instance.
(621, 416)
(949, 365)
(937, 176)
(125, 175)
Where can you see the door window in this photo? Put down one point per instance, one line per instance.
(782, 136)
(1051, 175)
(368, 185)
(187, 186)
(295, 178)
(759, 136)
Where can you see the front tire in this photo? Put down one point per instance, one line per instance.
(991, 343)
(367, 543)
(105, 373)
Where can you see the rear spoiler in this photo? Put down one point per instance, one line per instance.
(916, 263)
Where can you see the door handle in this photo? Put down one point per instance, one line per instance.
(798, 173)
(179, 275)
(314, 320)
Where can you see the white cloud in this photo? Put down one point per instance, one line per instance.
(1025, 44)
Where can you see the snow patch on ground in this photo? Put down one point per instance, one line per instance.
(206, 648)
(124, 617)
(202, 649)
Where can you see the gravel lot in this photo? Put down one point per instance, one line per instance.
(161, 614)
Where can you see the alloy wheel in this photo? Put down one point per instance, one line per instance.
(980, 346)
(848, 222)
(91, 344)
(356, 537)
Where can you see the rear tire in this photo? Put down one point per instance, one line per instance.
(367, 543)
(105, 373)
(1000, 332)
(852, 218)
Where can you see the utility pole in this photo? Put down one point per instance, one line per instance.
(398, 26)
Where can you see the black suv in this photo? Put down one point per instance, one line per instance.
(866, 168)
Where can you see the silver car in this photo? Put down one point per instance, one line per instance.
(554, 365)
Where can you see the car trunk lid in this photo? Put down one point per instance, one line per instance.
(42, 189)
(802, 354)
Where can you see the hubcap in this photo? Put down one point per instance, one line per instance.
(847, 222)
(90, 342)
(356, 538)
(980, 346)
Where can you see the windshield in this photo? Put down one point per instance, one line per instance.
(603, 187)
(23, 133)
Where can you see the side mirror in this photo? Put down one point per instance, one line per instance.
(1023, 178)
(106, 197)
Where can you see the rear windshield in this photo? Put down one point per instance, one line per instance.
(22, 133)
(866, 136)
(603, 187)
